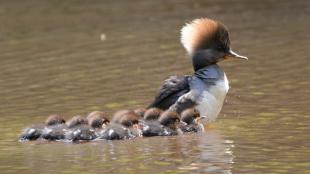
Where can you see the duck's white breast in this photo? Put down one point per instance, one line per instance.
(211, 100)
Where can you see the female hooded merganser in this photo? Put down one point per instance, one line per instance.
(190, 121)
(55, 128)
(166, 125)
(152, 114)
(79, 130)
(125, 125)
(207, 42)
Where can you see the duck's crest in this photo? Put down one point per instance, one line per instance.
(195, 34)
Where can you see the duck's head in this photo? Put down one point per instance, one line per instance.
(54, 119)
(207, 42)
(76, 121)
(152, 114)
(169, 119)
(97, 119)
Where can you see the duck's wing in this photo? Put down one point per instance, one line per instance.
(171, 90)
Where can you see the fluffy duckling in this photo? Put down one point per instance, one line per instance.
(125, 125)
(79, 130)
(97, 119)
(152, 114)
(166, 125)
(55, 128)
(190, 121)
(140, 112)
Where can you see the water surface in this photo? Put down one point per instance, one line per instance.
(53, 61)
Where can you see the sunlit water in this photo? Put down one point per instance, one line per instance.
(53, 61)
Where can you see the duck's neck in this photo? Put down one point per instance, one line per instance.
(205, 58)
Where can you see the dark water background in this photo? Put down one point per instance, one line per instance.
(53, 61)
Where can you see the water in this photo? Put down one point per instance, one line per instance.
(53, 61)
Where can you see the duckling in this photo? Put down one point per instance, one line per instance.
(79, 130)
(140, 112)
(97, 119)
(125, 125)
(55, 128)
(167, 125)
(152, 114)
(190, 121)
(32, 132)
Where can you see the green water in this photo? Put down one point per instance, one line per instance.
(53, 61)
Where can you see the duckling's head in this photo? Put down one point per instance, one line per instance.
(54, 119)
(140, 112)
(129, 120)
(97, 119)
(119, 114)
(207, 42)
(96, 114)
(190, 116)
(152, 114)
(169, 119)
(77, 121)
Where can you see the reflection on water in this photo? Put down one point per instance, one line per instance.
(188, 153)
(53, 61)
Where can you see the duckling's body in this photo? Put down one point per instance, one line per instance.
(152, 114)
(124, 126)
(37, 131)
(79, 130)
(166, 125)
(190, 121)
(55, 128)
(32, 133)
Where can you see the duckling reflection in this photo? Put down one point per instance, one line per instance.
(125, 125)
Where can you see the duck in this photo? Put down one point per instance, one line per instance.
(55, 128)
(32, 132)
(124, 125)
(207, 43)
(190, 121)
(79, 130)
(166, 125)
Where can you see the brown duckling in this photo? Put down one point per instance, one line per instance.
(152, 114)
(140, 112)
(125, 125)
(190, 121)
(36, 131)
(166, 125)
(79, 130)
(97, 119)
(55, 128)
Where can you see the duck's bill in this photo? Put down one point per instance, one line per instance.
(233, 55)
(202, 118)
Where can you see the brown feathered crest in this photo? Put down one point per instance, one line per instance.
(197, 34)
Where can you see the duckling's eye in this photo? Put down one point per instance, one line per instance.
(220, 47)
